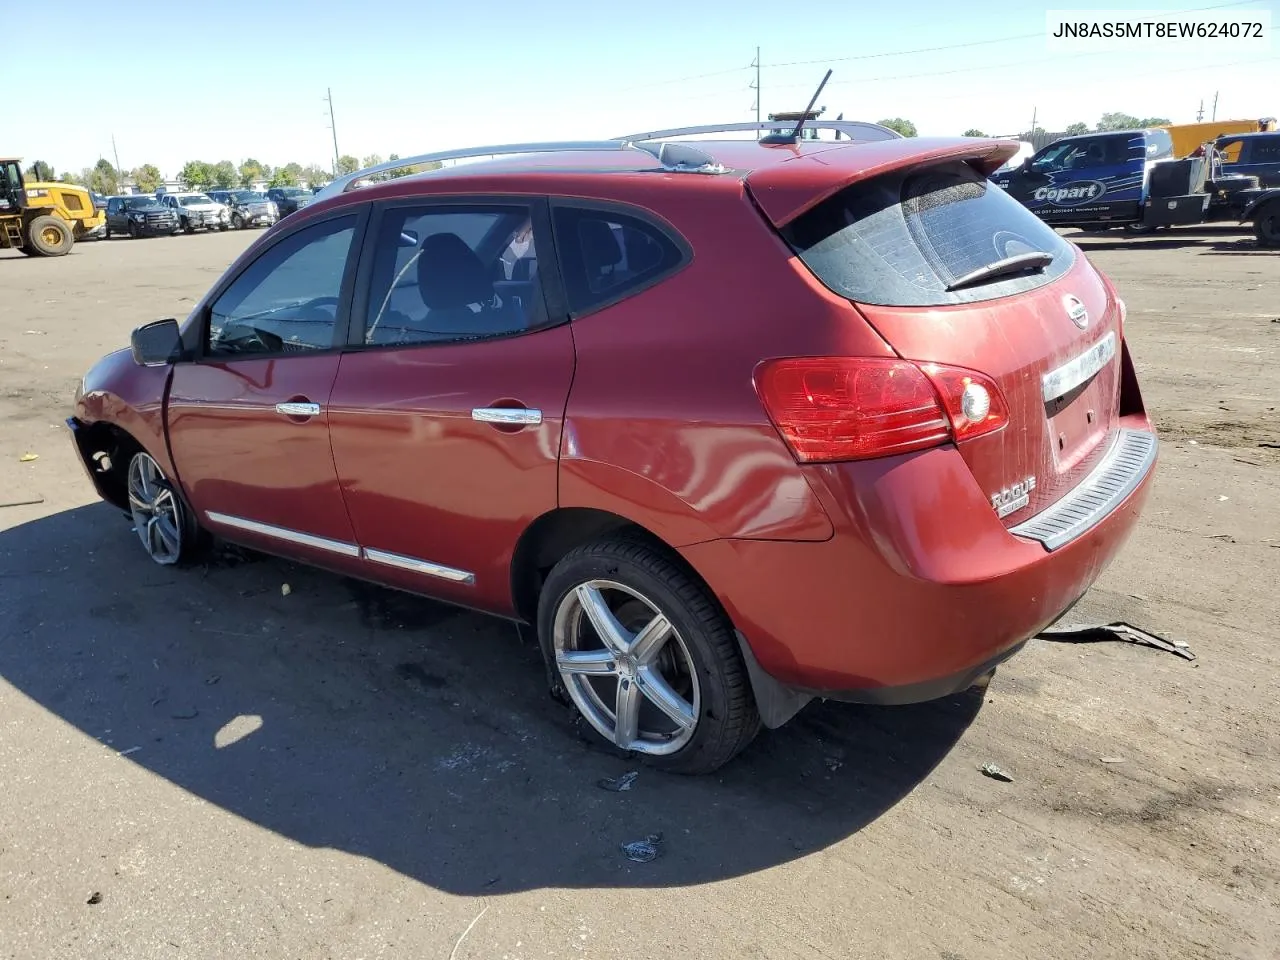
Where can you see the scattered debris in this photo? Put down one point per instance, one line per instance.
(22, 503)
(642, 851)
(1093, 633)
(1223, 497)
(832, 763)
(618, 784)
(28, 457)
(1194, 443)
(1222, 536)
(1270, 446)
(285, 589)
(94, 898)
(995, 773)
(125, 753)
(33, 333)
(457, 943)
(1112, 759)
(190, 714)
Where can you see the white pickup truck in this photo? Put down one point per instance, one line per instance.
(197, 212)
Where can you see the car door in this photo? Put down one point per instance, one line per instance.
(248, 419)
(113, 214)
(447, 410)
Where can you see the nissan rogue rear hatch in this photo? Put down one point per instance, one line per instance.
(952, 271)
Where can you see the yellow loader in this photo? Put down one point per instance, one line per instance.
(43, 219)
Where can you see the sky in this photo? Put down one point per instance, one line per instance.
(413, 76)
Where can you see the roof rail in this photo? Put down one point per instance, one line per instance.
(853, 129)
(343, 184)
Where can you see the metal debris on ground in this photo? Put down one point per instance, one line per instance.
(125, 753)
(94, 899)
(642, 851)
(22, 503)
(28, 457)
(995, 773)
(1095, 632)
(618, 784)
(1112, 759)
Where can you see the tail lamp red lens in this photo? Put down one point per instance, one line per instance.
(853, 408)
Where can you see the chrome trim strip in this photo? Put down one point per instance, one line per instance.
(415, 565)
(509, 415)
(1124, 466)
(1079, 369)
(283, 533)
(298, 409)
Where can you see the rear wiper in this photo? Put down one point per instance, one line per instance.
(1021, 263)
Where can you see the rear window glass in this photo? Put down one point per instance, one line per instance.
(608, 256)
(903, 238)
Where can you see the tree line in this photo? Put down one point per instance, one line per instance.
(105, 179)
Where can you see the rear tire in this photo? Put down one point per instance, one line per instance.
(673, 661)
(1266, 224)
(1138, 229)
(48, 236)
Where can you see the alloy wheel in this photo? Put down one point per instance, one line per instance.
(626, 668)
(156, 510)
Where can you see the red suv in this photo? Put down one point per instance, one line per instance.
(734, 424)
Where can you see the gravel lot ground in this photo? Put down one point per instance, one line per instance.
(193, 765)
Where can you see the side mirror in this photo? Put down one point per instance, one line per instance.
(157, 343)
(1026, 163)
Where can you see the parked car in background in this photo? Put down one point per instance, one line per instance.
(289, 199)
(197, 211)
(139, 215)
(249, 208)
(897, 429)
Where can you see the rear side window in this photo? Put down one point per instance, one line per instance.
(1265, 150)
(607, 255)
(903, 239)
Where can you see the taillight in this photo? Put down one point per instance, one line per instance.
(852, 408)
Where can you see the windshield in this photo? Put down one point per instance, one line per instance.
(292, 192)
(247, 196)
(194, 201)
(137, 203)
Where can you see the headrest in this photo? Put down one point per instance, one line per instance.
(450, 274)
(600, 247)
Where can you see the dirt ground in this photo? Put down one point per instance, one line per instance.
(195, 765)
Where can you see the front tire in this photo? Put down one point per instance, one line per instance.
(237, 221)
(49, 236)
(1266, 224)
(186, 226)
(646, 656)
(163, 522)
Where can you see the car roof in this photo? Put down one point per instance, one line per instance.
(1142, 131)
(785, 178)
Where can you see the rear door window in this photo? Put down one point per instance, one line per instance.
(904, 239)
(607, 255)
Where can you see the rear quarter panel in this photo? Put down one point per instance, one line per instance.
(664, 426)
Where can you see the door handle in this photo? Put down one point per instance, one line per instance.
(294, 409)
(507, 416)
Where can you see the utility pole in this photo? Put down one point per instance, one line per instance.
(1034, 111)
(756, 87)
(119, 173)
(1215, 106)
(1200, 112)
(334, 128)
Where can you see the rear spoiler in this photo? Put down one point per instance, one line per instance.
(786, 190)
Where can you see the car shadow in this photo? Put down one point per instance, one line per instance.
(344, 716)
(1208, 243)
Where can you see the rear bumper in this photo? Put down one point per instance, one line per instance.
(921, 590)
